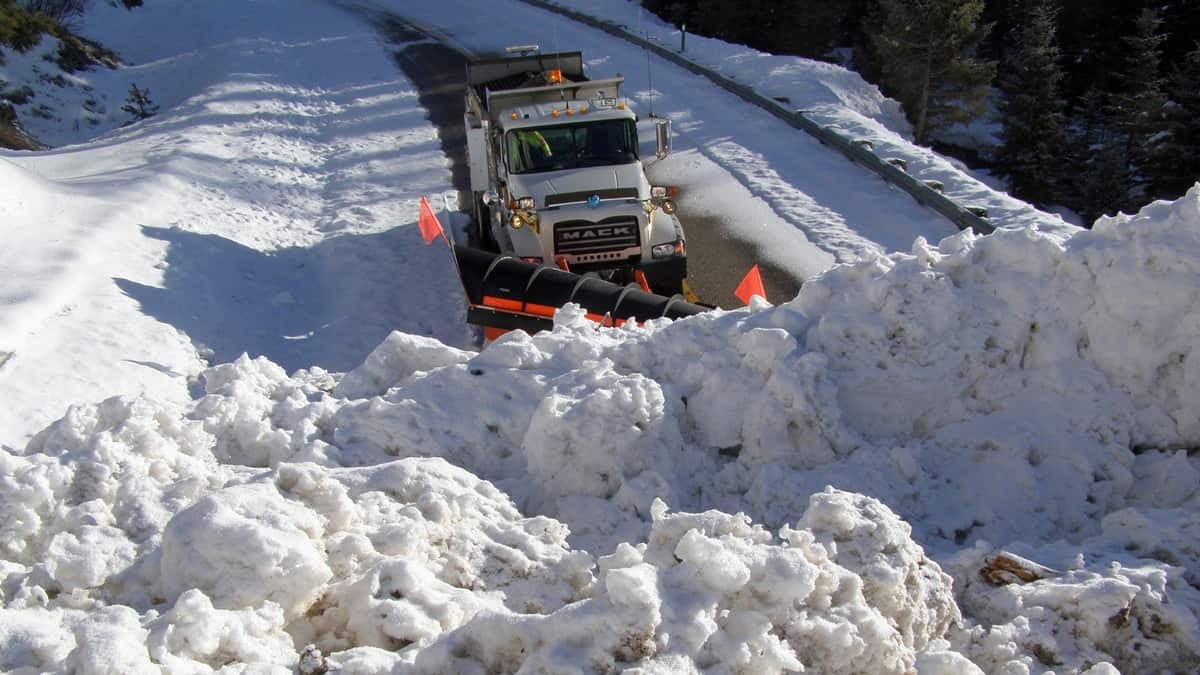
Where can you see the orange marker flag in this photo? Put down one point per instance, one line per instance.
(751, 285)
(430, 227)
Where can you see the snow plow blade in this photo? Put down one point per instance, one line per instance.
(507, 293)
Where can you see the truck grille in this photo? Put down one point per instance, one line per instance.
(610, 238)
(581, 197)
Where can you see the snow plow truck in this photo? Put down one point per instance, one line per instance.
(557, 177)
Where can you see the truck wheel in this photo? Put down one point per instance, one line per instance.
(483, 226)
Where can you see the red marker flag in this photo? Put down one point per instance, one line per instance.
(751, 285)
(430, 227)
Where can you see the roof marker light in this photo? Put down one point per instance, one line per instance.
(514, 116)
(554, 113)
(555, 76)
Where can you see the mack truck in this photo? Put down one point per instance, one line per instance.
(557, 176)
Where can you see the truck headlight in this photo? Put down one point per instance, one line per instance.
(667, 250)
(660, 198)
(525, 203)
(521, 218)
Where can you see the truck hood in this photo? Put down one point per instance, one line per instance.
(574, 181)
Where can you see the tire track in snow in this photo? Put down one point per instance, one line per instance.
(821, 224)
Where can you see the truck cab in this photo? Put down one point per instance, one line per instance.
(556, 168)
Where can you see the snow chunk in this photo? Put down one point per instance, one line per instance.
(32, 640)
(260, 417)
(1120, 616)
(420, 547)
(863, 535)
(399, 603)
(396, 359)
(195, 633)
(593, 431)
(111, 640)
(243, 546)
(938, 659)
(89, 558)
(710, 591)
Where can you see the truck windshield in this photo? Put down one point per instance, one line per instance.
(571, 146)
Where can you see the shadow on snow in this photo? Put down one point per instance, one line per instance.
(327, 305)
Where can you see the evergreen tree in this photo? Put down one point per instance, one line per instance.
(1032, 107)
(1181, 21)
(736, 21)
(809, 28)
(1137, 105)
(1098, 165)
(1089, 35)
(1178, 162)
(923, 53)
(1004, 16)
(674, 12)
(138, 104)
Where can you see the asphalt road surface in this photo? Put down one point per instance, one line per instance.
(717, 261)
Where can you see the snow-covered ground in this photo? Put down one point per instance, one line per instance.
(826, 484)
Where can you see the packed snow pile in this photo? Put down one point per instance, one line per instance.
(756, 491)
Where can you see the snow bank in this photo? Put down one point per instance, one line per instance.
(404, 525)
(121, 527)
(136, 561)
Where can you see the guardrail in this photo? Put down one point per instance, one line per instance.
(926, 193)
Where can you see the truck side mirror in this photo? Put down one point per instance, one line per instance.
(662, 137)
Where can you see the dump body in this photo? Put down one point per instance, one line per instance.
(557, 174)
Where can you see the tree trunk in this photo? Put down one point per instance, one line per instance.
(922, 112)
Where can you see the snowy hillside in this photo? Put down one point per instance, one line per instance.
(947, 455)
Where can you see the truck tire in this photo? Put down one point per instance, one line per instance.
(483, 237)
